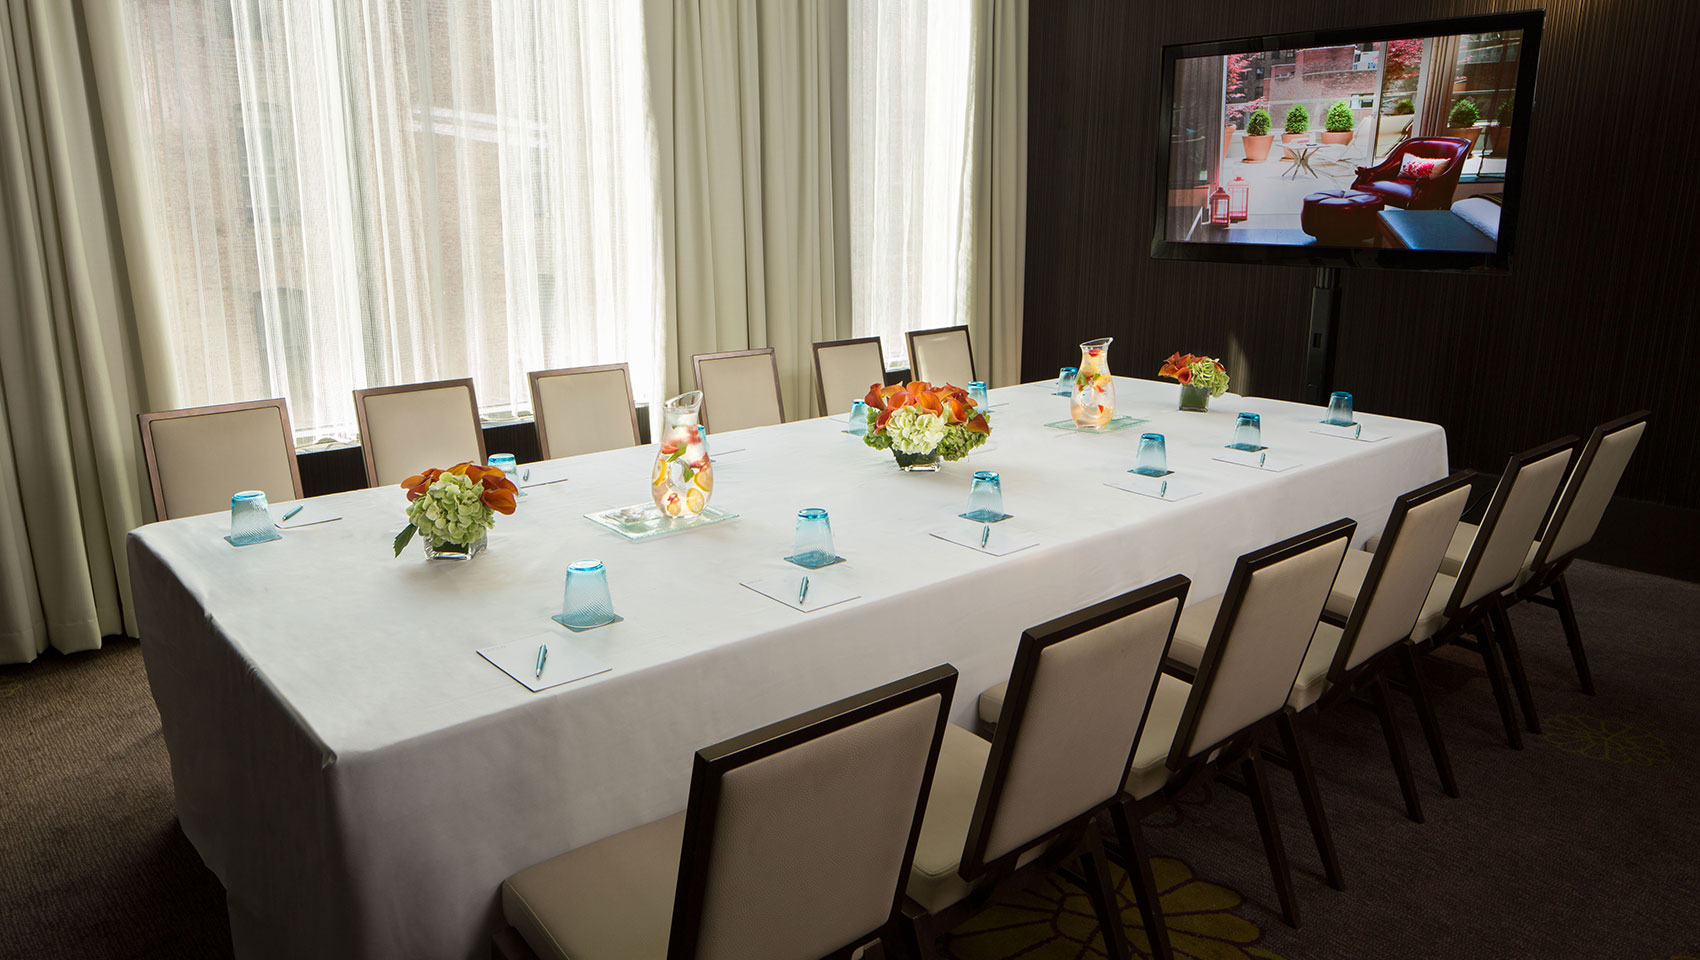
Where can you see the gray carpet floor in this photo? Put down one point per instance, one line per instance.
(1584, 845)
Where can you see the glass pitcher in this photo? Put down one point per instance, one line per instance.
(683, 480)
(1092, 402)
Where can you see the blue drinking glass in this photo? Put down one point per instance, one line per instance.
(1065, 381)
(985, 498)
(585, 602)
(858, 419)
(977, 393)
(1340, 409)
(1153, 458)
(508, 464)
(1248, 432)
(812, 547)
(250, 519)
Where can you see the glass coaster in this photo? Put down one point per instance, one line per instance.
(645, 521)
(1118, 423)
(1339, 423)
(557, 619)
(1148, 472)
(265, 536)
(985, 516)
(1247, 447)
(814, 561)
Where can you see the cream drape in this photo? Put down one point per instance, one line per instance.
(999, 253)
(749, 101)
(1434, 80)
(70, 381)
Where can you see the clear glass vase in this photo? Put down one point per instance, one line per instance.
(917, 462)
(1195, 398)
(435, 550)
(683, 480)
(1092, 402)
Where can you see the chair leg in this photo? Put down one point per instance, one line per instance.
(1396, 749)
(1572, 633)
(1501, 693)
(1514, 665)
(1101, 890)
(1304, 777)
(1132, 841)
(1431, 726)
(1264, 808)
(918, 942)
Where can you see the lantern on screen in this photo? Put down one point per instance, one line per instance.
(1239, 199)
(1219, 208)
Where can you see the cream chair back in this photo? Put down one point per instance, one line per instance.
(416, 426)
(198, 457)
(584, 410)
(1590, 487)
(941, 356)
(1260, 637)
(844, 369)
(1401, 573)
(1071, 716)
(1520, 502)
(739, 389)
(799, 836)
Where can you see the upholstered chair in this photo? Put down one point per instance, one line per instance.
(1384, 180)
(416, 426)
(584, 410)
(740, 388)
(844, 370)
(794, 845)
(198, 457)
(941, 355)
(1026, 803)
(1469, 609)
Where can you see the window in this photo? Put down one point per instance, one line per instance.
(911, 166)
(416, 190)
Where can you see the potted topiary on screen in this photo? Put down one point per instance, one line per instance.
(1257, 136)
(1337, 124)
(1461, 122)
(1297, 125)
(1502, 133)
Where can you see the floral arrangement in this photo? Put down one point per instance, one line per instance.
(455, 506)
(917, 419)
(1204, 372)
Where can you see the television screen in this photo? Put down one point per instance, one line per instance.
(1389, 146)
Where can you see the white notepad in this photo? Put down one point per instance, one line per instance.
(1153, 487)
(565, 663)
(1258, 460)
(311, 513)
(1004, 539)
(1354, 432)
(540, 475)
(784, 588)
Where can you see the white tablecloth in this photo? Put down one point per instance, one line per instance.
(362, 781)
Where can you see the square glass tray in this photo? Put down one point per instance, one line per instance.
(645, 521)
(1116, 423)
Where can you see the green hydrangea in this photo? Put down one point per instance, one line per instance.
(914, 430)
(958, 440)
(452, 510)
(1206, 374)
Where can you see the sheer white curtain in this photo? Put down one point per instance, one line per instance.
(912, 172)
(371, 192)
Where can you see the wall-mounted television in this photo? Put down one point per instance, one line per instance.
(1397, 146)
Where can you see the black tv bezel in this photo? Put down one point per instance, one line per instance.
(1499, 261)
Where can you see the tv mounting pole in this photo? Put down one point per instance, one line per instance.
(1319, 343)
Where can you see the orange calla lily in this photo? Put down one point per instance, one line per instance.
(978, 425)
(499, 492)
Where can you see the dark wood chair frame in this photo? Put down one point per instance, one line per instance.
(696, 370)
(536, 376)
(145, 422)
(1240, 748)
(914, 361)
(366, 435)
(1547, 572)
(713, 763)
(820, 385)
(1078, 840)
(1482, 626)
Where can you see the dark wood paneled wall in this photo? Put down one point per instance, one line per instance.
(1597, 319)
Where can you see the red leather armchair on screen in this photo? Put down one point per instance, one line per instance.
(1384, 181)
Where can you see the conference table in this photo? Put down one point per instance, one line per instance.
(362, 781)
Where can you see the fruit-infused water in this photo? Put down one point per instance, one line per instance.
(1092, 402)
(683, 480)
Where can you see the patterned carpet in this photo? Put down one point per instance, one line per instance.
(1583, 845)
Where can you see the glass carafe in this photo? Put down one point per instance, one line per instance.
(1092, 402)
(683, 480)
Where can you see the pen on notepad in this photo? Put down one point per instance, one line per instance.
(985, 534)
(1261, 458)
(802, 591)
(542, 657)
(1164, 490)
(291, 513)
